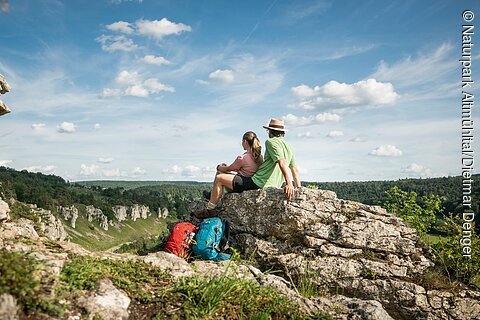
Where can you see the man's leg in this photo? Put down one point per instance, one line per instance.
(221, 180)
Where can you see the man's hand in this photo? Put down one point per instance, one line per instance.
(289, 191)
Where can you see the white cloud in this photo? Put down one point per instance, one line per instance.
(417, 170)
(4, 163)
(45, 169)
(173, 170)
(307, 134)
(304, 91)
(154, 86)
(66, 127)
(226, 76)
(109, 173)
(160, 28)
(105, 160)
(361, 93)
(359, 139)
(386, 151)
(158, 61)
(89, 170)
(121, 26)
(423, 69)
(335, 134)
(126, 77)
(38, 126)
(295, 121)
(137, 171)
(97, 126)
(137, 91)
(190, 171)
(108, 93)
(116, 43)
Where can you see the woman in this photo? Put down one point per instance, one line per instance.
(245, 165)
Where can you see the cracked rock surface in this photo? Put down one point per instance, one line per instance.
(361, 251)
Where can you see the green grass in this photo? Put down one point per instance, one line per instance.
(92, 237)
(193, 297)
(433, 238)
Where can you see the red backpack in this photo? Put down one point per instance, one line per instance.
(181, 239)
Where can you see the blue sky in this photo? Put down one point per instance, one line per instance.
(164, 90)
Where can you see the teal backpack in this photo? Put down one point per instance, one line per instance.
(212, 239)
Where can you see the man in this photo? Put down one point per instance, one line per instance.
(278, 158)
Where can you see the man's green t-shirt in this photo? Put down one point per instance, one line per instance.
(269, 174)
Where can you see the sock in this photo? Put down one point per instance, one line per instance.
(210, 206)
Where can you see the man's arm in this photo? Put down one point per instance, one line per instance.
(296, 179)
(289, 189)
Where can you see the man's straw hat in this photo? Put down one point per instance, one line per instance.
(277, 125)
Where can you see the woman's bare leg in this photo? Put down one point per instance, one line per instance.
(221, 180)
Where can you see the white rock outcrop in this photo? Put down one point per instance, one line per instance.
(4, 211)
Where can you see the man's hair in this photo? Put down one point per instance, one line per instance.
(277, 133)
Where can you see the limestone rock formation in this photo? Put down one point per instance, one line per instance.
(163, 213)
(120, 213)
(343, 246)
(93, 213)
(69, 213)
(51, 226)
(139, 211)
(4, 211)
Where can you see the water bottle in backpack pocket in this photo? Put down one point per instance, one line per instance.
(211, 240)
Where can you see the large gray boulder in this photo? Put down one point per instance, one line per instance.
(343, 246)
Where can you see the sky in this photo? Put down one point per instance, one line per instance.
(165, 89)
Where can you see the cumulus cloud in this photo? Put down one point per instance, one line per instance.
(38, 126)
(109, 173)
(386, 151)
(137, 171)
(120, 26)
(66, 127)
(97, 126)
(158, 61)
(4, 163)
(116, 43)
(190, 171)
(173, 169)
(335, 134)
(126, 77)
(45, 169)
(105, 160)
(305, 135)
(153, 86)
(296, 121)
(137, 91)
(89, 170)
(361, 93)
(417, 170)
(160, 28)
(226, 76)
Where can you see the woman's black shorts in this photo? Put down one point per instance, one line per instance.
(241, 183)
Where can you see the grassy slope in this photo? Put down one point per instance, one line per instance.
(92, 237)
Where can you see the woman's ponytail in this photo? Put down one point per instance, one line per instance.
(254, 143)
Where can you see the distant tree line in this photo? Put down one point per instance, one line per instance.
(49, 191)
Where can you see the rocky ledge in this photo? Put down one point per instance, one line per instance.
(359, 251)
